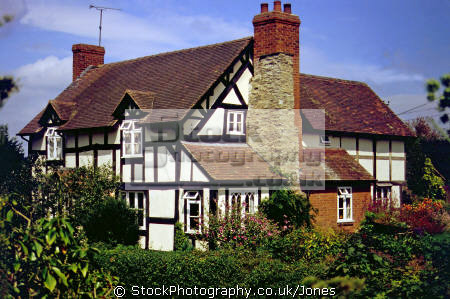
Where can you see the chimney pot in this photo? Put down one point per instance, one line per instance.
(277, 6)
(264, 7)
(287, 8)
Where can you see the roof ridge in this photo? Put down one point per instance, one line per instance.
(334, 79)
(174, 52)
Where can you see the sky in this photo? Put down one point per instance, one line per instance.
(393, 46)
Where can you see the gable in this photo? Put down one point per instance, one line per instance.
(50, 117)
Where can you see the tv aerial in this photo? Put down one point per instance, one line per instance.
(101, 9)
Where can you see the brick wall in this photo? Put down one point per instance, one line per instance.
(326, 203)
(84, 56)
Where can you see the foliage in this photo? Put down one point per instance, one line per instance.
(112, 222)
(433, 87)
(43, 259)
(433, 182)
(15, 171)
(309, 244)
(238, 229)
(181, 241)
(424, 216)
(5, 19)
(7, 86)
(288, 205)
(76, 193)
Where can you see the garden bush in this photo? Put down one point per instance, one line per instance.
(424, 216)
(112, 222)
(288, 208)
(43, 259)
(238, 229)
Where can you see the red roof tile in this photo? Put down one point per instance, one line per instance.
(349, 106)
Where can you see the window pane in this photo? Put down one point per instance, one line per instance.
(341, 213)
(194, 209)
(127, 149)
(230, 127)
(137, 149)
(127, 137)
(194, 223)
(238, 117)
(231, 117)
(51, 147)
(131, 200)
(59, 147)
(348, 207)
(140, 217)
(341, 203)
(140, 200)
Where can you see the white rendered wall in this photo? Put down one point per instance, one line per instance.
(349, 144)
(70, 141)
(161, 236)
(214, 126)
(114, 137)
(162, 203)
(86, 158)
(166, 165)
(70, 160)
(149, 163)
(398, 170)
(83, 140)
(38, 144)
(104, 157)
(243, 84)
(98, 138)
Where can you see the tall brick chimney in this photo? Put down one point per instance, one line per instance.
(278, 32)
(276, 133)
(85, 55)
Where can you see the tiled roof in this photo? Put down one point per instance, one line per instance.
(349, 106)
(177, 79)
(226, 162)
(144, 99)
(338, 166)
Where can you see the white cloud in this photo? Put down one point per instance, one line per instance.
(38, 82)
(164, 30)
(313, 61)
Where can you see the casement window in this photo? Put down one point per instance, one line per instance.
(344, 204)
(383, 194)
(54, 144)
(136, 201)
(235, 124)
(193, 202)
(325, 140)
(244, 198)
(132, 139)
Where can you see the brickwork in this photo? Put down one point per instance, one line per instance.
(84, 56)
(326, 203)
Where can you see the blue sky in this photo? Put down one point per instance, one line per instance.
(394, 46)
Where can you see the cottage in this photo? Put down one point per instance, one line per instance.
(192, 131)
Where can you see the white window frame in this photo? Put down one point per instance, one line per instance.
(325, 140)
(234, 124)
(193, 197)
(54, 137)
(383, 193)
(240, 196)
(135, 206)
(346, 194)
(129, 127)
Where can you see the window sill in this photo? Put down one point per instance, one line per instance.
(132, 157)
(349, 221)
(235, 134)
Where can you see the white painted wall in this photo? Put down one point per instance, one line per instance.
(70, 141)
(83, 140)
(70, 160)
(114, 137)
(382, 148)
(398, 148)
(367, 164)
(365, 147)
(162, 203)
(86, 158)
(243, 84)
(166, 165)
(349, 144)
(104, 157)
(382, 170)
(149, 163)
(117, 162)
(214, 126)
(231, 98)
(395, 196)
(398, 170)
(38, 144)
(197, 174)
(126, 173)
(161, 237)
(98, 138)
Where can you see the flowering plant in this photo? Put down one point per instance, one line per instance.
(424, 216)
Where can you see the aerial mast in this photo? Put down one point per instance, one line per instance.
(101, 9)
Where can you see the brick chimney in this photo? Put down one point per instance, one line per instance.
(273, 123)
(85, 55)
(278, 32)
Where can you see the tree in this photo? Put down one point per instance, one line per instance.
(7, 83)
(433, 87)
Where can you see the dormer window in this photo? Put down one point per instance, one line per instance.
(235, 123)
(325, 140)
(132, 139)
(54, 144)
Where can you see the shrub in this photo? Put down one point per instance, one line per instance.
(237, 229)
(288, 207)
(424, 216)
(112, 222)
(42, 259)
(182, 242)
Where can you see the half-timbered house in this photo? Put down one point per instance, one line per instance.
(176, 128)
